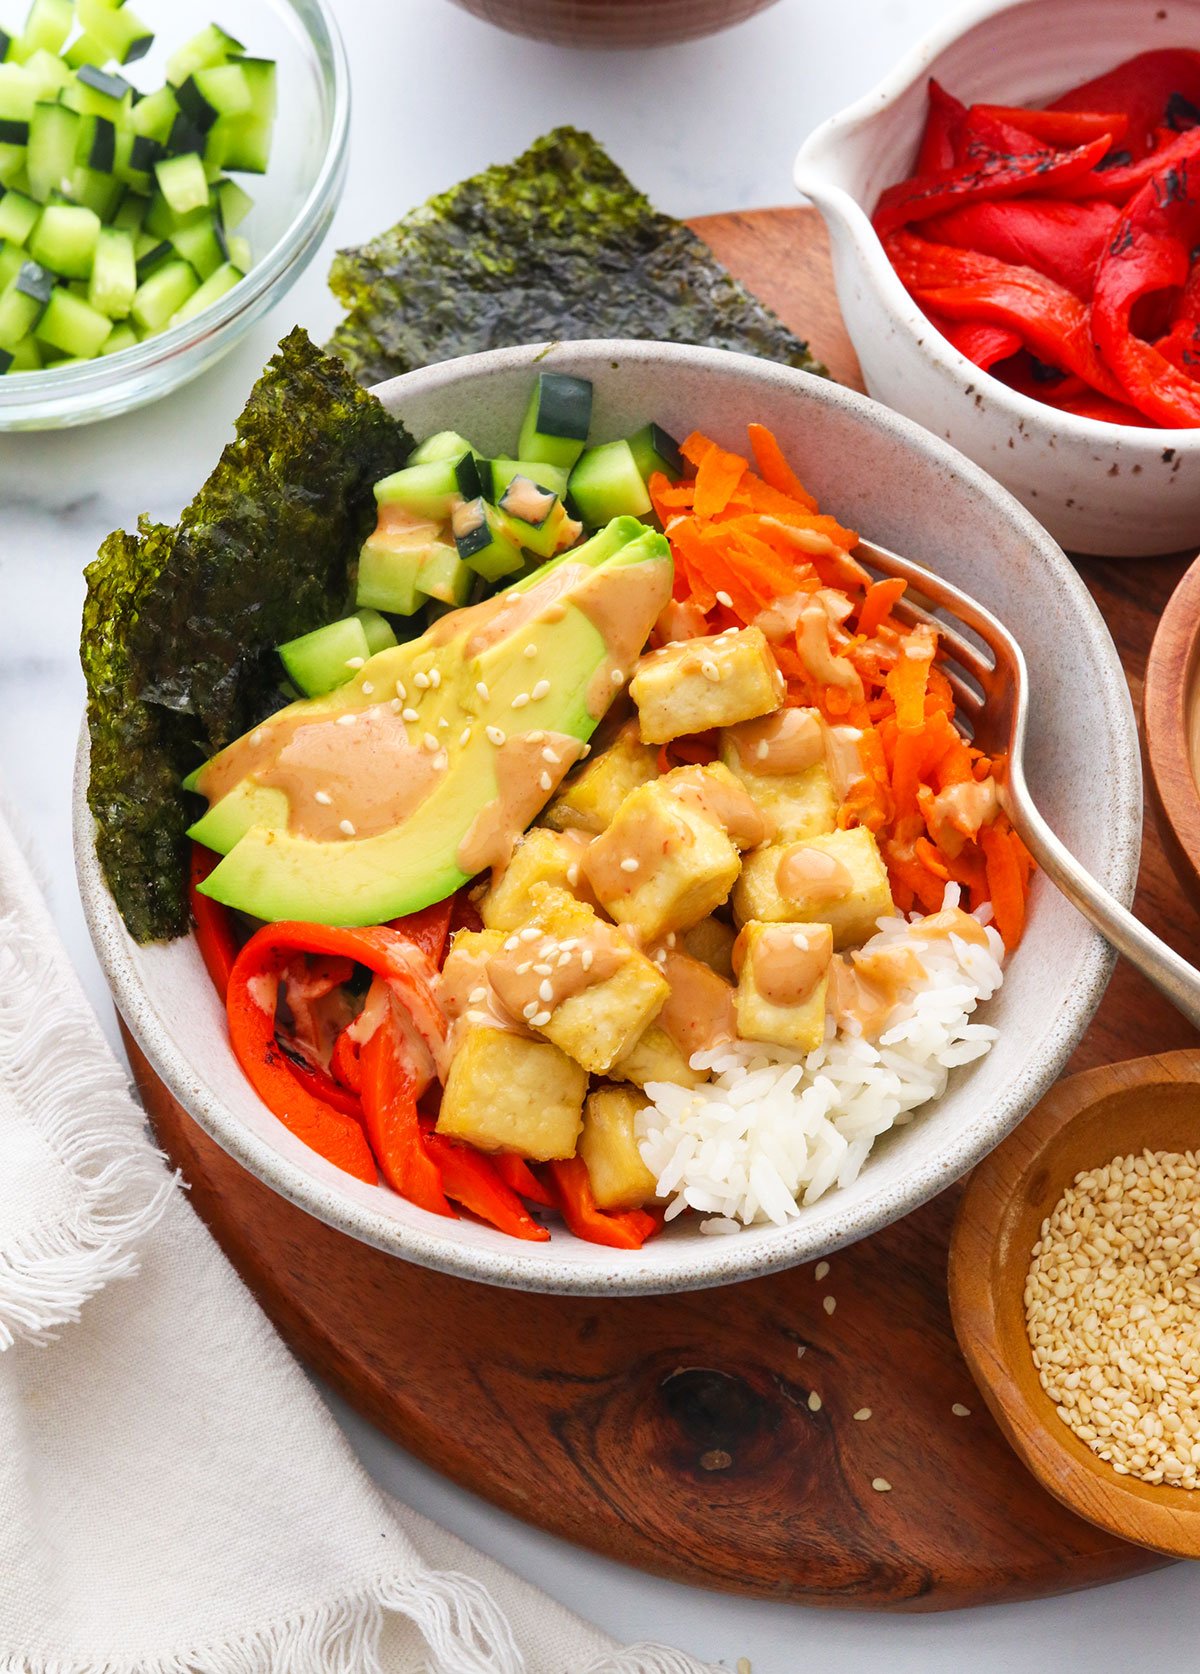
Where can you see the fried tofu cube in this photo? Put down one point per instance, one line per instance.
(696, 684)
(654, 1056)
(713, 791)
(839, 879)
(783, 983)
(711, 942)
(590, 798)
(799, 801)
(540, 857)
(608, 1145)
(662, 865)
(505, 1092)
(595, 1002)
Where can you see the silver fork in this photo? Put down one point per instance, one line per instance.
(991, 692)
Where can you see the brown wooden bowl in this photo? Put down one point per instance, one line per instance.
(1170, 710)
(614, 23)
(1081, 1123)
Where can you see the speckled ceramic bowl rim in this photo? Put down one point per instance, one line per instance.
(807, 177)
(717, 1261)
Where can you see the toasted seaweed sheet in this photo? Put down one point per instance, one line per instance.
(558, 244)
(180, 625)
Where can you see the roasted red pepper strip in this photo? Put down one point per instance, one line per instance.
(250, 1008)
(1154, 90)
(345, 1064)
(429, 928)
(962, 284)
(314, 1078)
(1062, 240)
(986, 174)
(390, 1090)
(982, 343)
(939, 149)
(520, 1178)
(628, 1230)
(1059, 127)
(474, 1181)
(1151, 252)
(1119, 184)
(214, 923)
(1181, 346)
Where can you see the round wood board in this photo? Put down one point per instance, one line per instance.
(679, 1433)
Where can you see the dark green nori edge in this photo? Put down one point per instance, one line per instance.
(180, 625)
(557, 245)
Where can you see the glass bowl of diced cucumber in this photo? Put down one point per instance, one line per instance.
(165, 176)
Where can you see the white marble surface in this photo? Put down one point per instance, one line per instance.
(704, 127)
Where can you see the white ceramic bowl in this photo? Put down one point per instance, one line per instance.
(879, 473)
(1098, 488)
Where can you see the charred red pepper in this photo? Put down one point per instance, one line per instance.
(1059, 127)
(1062, 240)
(391, 1086)
(214, 923)
(429, 928)
(520, 1178)
(475, 1182)
(940, 143)
(1155, 90)
(983, 344)
(627, 1230)
(988, 172)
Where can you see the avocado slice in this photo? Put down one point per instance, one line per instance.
(437, 798)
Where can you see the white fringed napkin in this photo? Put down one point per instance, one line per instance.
(174, 1497)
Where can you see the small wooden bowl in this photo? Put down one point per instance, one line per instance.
(1083, 1122)
(1170, 711)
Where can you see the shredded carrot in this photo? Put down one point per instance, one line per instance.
(774, 469)
(1005, 882)
(717, 477)
(877, 606)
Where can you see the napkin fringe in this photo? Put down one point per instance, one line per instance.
(646, 1659)
(66, 1082)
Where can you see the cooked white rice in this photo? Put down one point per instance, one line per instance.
(774, 1130)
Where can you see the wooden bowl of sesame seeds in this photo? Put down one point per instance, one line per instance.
(1109, 1391)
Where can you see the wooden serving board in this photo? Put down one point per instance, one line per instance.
(679, 1433)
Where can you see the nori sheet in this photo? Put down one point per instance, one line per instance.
(180, 625)
(556, 245)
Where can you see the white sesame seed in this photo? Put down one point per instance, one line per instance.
(355, 662)
(543, 968)
(443, 723)
(324, 798)
(549, 755)
(723, 598)
(511, 943)
(829, 1304)
(862, 1414)
(535, 737)
(441, 762)
(540, 1019)
(256, 737)
(530, 933)
(586, 958)
(881, 1485)
(476, 995)
(573, 874)
(435, 678)
(410, 715)
(478, 1017)
(521, 699)
(367, 688)
(960, 1411)
(421, 681)
(346, 827)
(530, 1011)
(814, 1402)
(395, 706)
(346, 720)
(545, 991)
(545, 782)
(629, 864)
(564, 959)
(820, 1270)
(530, 651)
(660, 958)
(762, 750)
(617, 677)
(430, 741)
(540, 690)
(495, 736)
(401, 690)
(464, 736)
(800, 1348)
(525, 965)
(482, 691)
(709, 670)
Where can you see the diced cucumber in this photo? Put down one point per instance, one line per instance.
(72, 325)
(432, 489)
(556, 421)
(327, 657)
(47, 26)
(239, 252)
(182, 182)
(527, 503)
(200, 246)
(379, 632)
(101, 193)
(154, 115)
(48, 74)
(606, 483)
(97, 92)
(387, 577)
(6, 42)
(96, 146)
(556, 531)
(444, 444)
(211, 46)
(113, 282)
(500, 472)
(654, 450)
(445, 577)
(483, 541)
(162, 295)
(65, 240)
(18, 217)
(53, 135)
(18, 93)
(13, 132)
(131, 212)
(214, 287)
(243, 143)
(224, 90)
(85, 51)
(26, 357)
(234, 204)
(120, 337)
(12, 259)
(162, 221)
(117, 28)
(152, 254)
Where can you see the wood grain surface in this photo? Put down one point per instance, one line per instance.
(712, 1437)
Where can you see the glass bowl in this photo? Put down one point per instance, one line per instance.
(293, 206)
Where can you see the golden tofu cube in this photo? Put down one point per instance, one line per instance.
(608, 1145)
(717, 794)
(505, 1092)
(540, 857)
(696, 684)
(711, 942)
(783, 983)
(595, 1011)
(590, 798)
(655, 1057)
(661, 865)
(839, 879)
(799, 803)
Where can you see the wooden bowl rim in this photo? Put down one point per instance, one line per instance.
(1165, 1519)
(1170, 671)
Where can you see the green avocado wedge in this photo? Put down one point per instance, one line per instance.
(544, 657)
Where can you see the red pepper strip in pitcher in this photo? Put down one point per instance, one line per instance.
(1151, 252)
(475, 1182)
(981, 343)
(214, 923)
(1059, 127)
(1118, 184)
(1181, 347)
(988, 173)
(627, 1230)
(964, 285)
(1154, 90)
(1062, 240)
(939, 148)
(391, 1086)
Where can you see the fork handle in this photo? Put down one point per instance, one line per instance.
(1167, 970)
